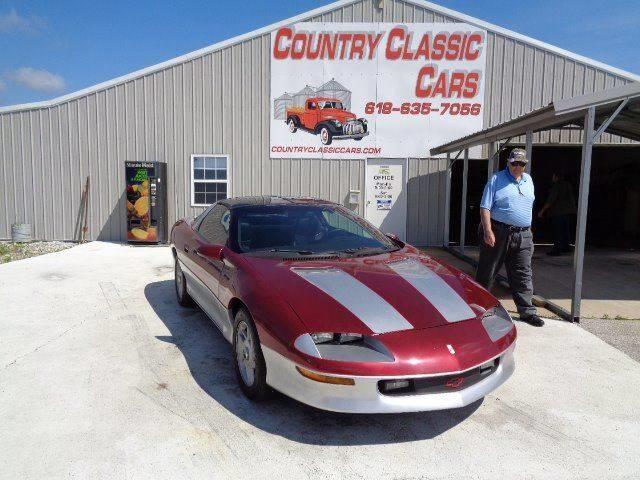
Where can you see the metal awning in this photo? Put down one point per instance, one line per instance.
(562, 113)
(616, 111)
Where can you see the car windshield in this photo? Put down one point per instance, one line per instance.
(306, 230)
(328, 104)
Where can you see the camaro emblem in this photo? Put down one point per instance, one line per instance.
(451, 349)
(454, 382)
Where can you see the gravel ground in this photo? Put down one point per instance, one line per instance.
(10, 251)
(622, 334)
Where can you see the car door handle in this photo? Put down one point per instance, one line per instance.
(206, 259)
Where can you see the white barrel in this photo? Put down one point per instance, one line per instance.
(21, 232)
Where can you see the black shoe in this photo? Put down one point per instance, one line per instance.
(533, 320)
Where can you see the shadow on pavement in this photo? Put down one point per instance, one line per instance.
(208, 356)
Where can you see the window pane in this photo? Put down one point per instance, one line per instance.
(210, 174)
(199, 198)
(211, 198)
(211, 162)
(198, 162)
(214, 227)
(221, 162)
(198, 174)
(221, 174)
(211, 188)
(199, 187)
(222, 188)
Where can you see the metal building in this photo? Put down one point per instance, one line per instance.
(217, 100)
(334, 89)
(303, 95)
(280, 105)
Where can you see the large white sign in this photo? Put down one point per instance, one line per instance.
(363, 90)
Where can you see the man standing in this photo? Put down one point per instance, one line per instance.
(505, 233)
(561, 206)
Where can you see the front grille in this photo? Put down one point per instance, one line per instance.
(353, 128)
(442, 384)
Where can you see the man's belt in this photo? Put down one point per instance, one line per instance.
(506, 226)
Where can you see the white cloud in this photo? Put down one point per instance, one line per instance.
(13, 22)
(39, 80)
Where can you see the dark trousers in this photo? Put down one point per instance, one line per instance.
(561, 232)
(514, 249)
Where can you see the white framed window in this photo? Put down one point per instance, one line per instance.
(210, 179)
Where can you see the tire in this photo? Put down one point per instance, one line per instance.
(325, 136)
(248, 360)
(180, 281)
(358, 139)
(292, 125)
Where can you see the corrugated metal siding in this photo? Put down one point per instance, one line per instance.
(219, 103)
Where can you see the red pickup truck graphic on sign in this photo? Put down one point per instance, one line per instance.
(328, 118)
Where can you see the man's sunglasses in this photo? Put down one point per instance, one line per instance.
(518, 164)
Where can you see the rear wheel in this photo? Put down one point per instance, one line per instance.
(248, 360)
(184, 298)
(325, 136)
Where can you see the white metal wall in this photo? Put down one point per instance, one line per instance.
(219, 103)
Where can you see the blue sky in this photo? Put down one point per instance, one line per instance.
(49, 48)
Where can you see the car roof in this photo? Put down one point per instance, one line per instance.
(273, 200)
(326, 99)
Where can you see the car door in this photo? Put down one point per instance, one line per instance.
(212, 237)
(310, 115)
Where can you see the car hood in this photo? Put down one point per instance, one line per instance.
(335, 114)
(375, 294)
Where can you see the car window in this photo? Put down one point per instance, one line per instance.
(214, 228)
(312, 106)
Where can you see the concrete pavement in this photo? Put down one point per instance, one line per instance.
(103, 375)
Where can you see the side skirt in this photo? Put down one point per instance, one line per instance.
(209, 303)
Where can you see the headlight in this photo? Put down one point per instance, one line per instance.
(343, 347)
(497, 322)
(363, 120)
(326, 337)
(337, 123)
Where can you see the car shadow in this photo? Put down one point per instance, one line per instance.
(209, 358)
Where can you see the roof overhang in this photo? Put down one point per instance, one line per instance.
(564, 113)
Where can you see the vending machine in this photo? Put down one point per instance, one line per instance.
(146, 192)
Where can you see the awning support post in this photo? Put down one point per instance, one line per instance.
(447, 202)
(529, 147)
(583, 204)
(463, 207)
(490, 151)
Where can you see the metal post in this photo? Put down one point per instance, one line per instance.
(447, 202)
(463, 207)
(490, 151)
(529, 147)
(583, 203)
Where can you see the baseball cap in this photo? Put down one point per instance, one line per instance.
(518, 155)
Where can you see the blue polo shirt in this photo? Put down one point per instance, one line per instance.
(509, 201)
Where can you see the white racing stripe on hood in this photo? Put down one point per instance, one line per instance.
(438, 292)
(364, 303)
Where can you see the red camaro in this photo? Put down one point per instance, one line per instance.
(323, 307)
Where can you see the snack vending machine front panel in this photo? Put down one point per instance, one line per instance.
(146, 202)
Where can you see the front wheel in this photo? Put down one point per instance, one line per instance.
(248, 360)
(325, 136)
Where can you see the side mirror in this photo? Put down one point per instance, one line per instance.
(213, 252)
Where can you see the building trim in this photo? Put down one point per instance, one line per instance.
(306, 15)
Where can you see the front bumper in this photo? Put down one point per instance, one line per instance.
(364, 396)
(353, 135)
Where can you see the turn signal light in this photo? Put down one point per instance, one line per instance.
(325, 378)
